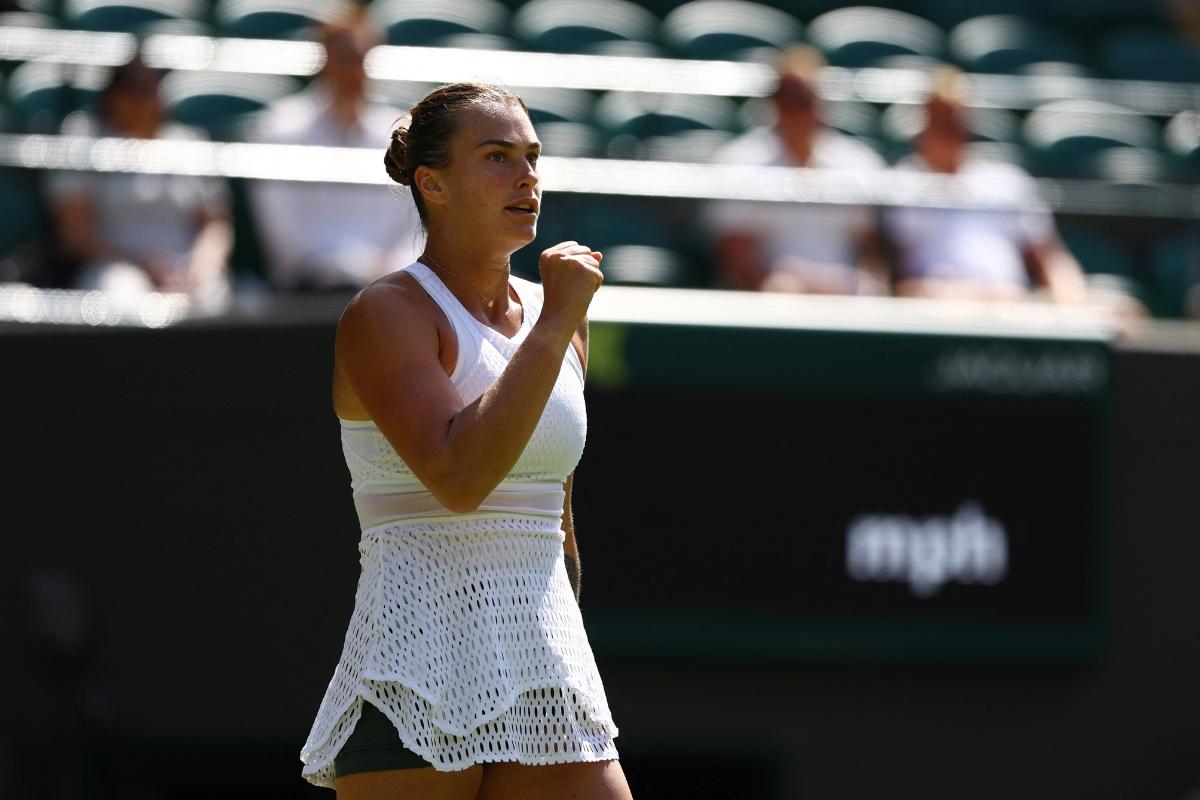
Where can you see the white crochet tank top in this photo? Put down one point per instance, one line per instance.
(385, 488)
(465, 631)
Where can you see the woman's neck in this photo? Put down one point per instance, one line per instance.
(476, 278)
(466, 251)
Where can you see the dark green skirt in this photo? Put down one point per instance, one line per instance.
(374, 746)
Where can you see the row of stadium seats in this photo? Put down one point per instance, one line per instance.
(1064, 138)
(1057, 37)
(648, 242)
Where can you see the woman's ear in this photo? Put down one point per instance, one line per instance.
(429, 182)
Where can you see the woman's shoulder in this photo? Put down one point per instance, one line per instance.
(394, 300)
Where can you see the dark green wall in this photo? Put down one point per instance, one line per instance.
(180, 557)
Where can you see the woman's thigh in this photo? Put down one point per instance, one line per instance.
(597, 780)
(410, 784)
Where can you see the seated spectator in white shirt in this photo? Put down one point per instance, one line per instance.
(975, 252)
(814, 248)
(333, 236)
(130, 234)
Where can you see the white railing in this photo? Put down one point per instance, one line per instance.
(27, 305)
(601, 176)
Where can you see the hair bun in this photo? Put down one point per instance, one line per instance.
(396, 157)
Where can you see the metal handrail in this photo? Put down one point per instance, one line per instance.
(603, 176)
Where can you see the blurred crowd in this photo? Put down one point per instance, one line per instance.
(129, 234)
(911, 251)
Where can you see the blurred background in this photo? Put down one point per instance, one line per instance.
(890, 485)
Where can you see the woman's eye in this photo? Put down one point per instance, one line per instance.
(497, 156)
(533, 158)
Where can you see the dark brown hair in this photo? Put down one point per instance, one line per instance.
(425, 141)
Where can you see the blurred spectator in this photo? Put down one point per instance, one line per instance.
(334, 237)
(130, 234)
(1185, 17)
(975, 253)
(828, 249)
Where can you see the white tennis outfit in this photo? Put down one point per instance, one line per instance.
(465, 631)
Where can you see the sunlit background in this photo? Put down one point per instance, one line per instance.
(836, 544)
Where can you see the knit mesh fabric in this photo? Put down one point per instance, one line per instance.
(465, 631)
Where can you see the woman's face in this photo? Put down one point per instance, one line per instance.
(491, 186)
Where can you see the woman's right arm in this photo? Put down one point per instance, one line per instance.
(387, 348)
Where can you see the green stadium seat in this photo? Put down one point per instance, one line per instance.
(607, 221)
(1088, 18)
(1182, 139)
(636, 124)
(1009, 152)
(645, 265)
(21, 215)
(276, 19)
(697, 146)
(177, 27)
(1056, 69)
(851, 117)
(1097, 250)
(1149, 54)
(127, 15)
(478, 41)
(47, 7)
(653, 114)
(947, 14)
(1064, 137)
(644, 241)
(861, 36)
(431, 22)
(563, 121)
(41, 93)
(805, 10)
(615, 27)
(909, 61)
(1129, 165)
(659, 8)
(1107, 262)
(402, 95)
(558, 104)
(222, 102)
(570, 139)
(27, 19)
(728, 29)
(1174, 281)
(1008, 44)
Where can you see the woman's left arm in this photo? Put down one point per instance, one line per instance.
(570, 545)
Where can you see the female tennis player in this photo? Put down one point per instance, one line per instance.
(466, 671)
